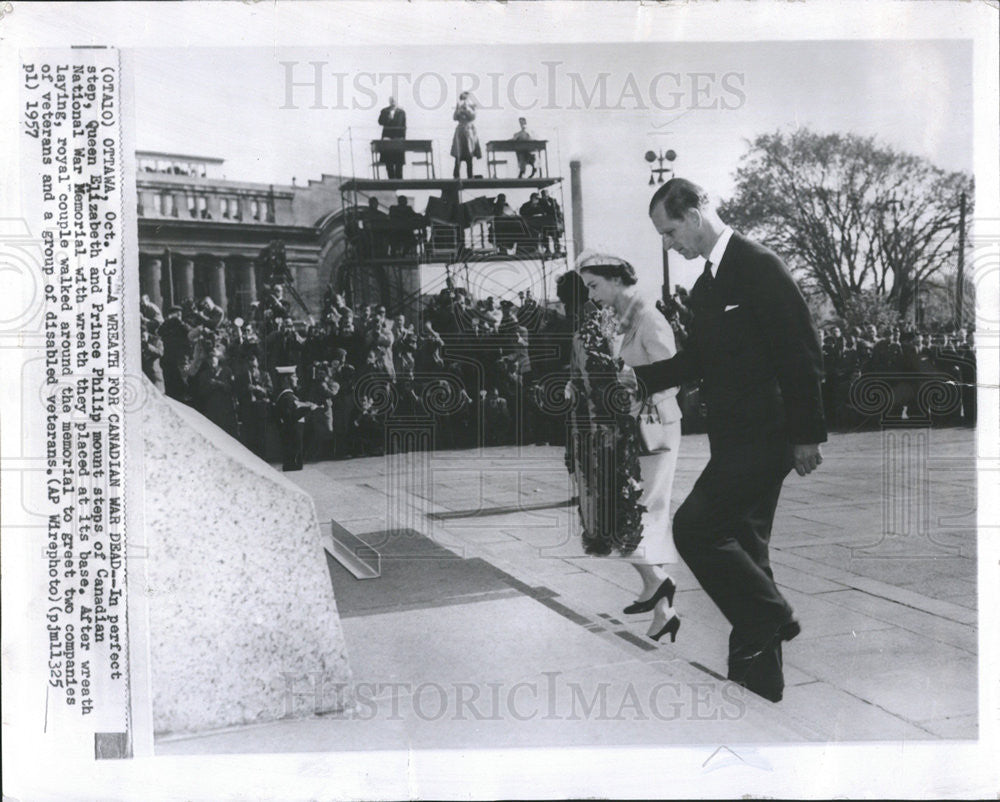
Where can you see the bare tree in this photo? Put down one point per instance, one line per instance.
(849, 214)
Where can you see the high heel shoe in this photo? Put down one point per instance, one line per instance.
(671, 626)
(666, 591)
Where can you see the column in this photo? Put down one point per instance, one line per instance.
(247, 273)
(410, 289)
(183, 273)
(150, 276)
(576, 204)
(215, 280)
(241, 282)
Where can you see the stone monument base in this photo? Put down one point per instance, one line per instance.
(243, 625)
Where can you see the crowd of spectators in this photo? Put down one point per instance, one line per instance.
(874, 376)
(904, 372)
(474, 371)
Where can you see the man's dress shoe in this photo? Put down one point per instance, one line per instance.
(757, 667)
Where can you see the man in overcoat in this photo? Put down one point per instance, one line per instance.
(393, 122)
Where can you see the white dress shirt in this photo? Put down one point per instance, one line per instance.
(719, 249)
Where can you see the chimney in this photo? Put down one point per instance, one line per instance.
(576, 201)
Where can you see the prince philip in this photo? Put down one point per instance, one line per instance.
(757, 353)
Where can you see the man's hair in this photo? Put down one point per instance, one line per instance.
(679, 195)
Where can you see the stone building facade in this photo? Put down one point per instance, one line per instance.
(200, 234)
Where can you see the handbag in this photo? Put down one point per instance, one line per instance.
(653, 435)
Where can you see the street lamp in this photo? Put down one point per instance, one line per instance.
(656, 173)
(664, 167)
(896, 204)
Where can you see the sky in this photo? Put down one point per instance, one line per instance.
(603, 104)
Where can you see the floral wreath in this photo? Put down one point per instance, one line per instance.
(611, 402)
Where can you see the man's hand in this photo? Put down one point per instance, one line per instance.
(807, 458)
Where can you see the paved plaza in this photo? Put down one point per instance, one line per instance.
(489, 627)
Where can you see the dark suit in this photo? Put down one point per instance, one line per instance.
(403, 226)
(760, 363)
(291, 415)
(393, 122)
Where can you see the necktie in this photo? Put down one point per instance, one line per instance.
(702, 288)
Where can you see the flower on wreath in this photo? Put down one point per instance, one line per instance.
(606, 395)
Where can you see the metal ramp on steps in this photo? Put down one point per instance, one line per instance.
(360, 559)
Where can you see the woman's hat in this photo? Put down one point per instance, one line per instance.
(589, 259)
